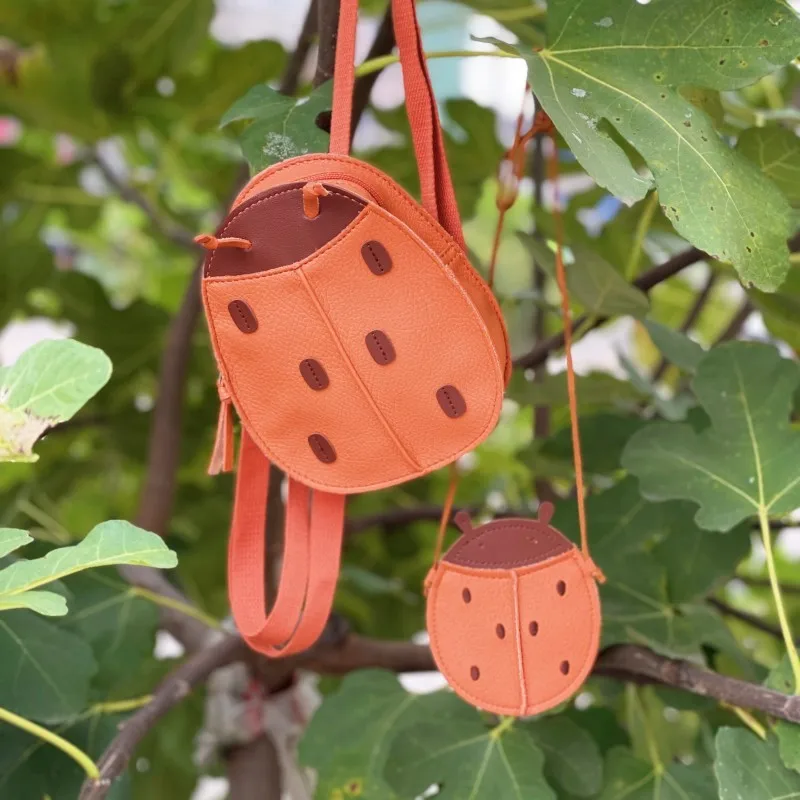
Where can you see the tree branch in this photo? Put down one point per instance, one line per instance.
(753, 620)
(646, 281)
(703, 296)
(297, 60)
(327, 25)
(382, 45)
(737, 322)
(174, 232)
(177, 686)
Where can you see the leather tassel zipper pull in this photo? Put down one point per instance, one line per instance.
(222, 454)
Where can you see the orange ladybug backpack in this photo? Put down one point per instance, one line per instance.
(357, 344)
(360, 350)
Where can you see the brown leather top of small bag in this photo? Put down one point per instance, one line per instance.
(280, 232)
(508, 543)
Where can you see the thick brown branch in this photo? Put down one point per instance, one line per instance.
(630, 662)
(297, 60)
(170, 230)
(382, 45)
(172, 691)
(327, 24)
(737, 322)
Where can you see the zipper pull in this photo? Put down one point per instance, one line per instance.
(222, 455)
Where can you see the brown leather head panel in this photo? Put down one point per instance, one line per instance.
(279, 230)
(508, 543)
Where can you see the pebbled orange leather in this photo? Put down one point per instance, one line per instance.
(385, 423)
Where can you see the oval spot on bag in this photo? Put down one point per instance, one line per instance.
(380, 347)
(376, 257)
(322, 448)
(243, 316)
(451, 401)
(314, 374)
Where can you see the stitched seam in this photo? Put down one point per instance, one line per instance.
(351, 367)
(518, 642)
(376, 260)
(253, 202)
(509, 564)
(500, 573)
(307, 261)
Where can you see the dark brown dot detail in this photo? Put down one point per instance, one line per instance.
(474, 673)
(322, 448)
(561, 588)
(314, 374)
(533, 628)
(380, 347)
(243, 316)
(467, 595)
(564, 667)
(376, 257)
(451, 401)
(501, 631)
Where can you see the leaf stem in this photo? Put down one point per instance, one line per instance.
(748, 719)
(175, 605)
(377, 64)
(499, 729)
(75, 753)
(786, 630)
(120, 706)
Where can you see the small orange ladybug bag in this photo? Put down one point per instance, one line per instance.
(357, 344)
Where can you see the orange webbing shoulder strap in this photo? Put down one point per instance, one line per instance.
(436, 186)
(311, 553)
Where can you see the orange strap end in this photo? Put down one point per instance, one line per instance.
(211, 242)
(311, 195)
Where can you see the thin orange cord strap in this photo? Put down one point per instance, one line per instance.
(566, 314)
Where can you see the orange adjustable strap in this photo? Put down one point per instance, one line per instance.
(312, 545)
(436, 185)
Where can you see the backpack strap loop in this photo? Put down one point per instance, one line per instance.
(311, 556)
(438, 196)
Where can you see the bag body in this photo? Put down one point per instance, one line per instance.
(513, 614)
(359, 347)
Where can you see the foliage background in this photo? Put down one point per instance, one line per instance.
(113, 158)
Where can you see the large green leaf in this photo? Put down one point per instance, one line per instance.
(572, 758)
(746, 462)
(630, 778)
(603, 437)
(675, 346)
(44, 670)
(749, 768)
(31, 769)
(465, 757)
(110, 543)
(48, 383)
(11, 539)
(616, 64)
(348, 738)
(592, 281)
(776, 152)
(280, 127)
(118, 623)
